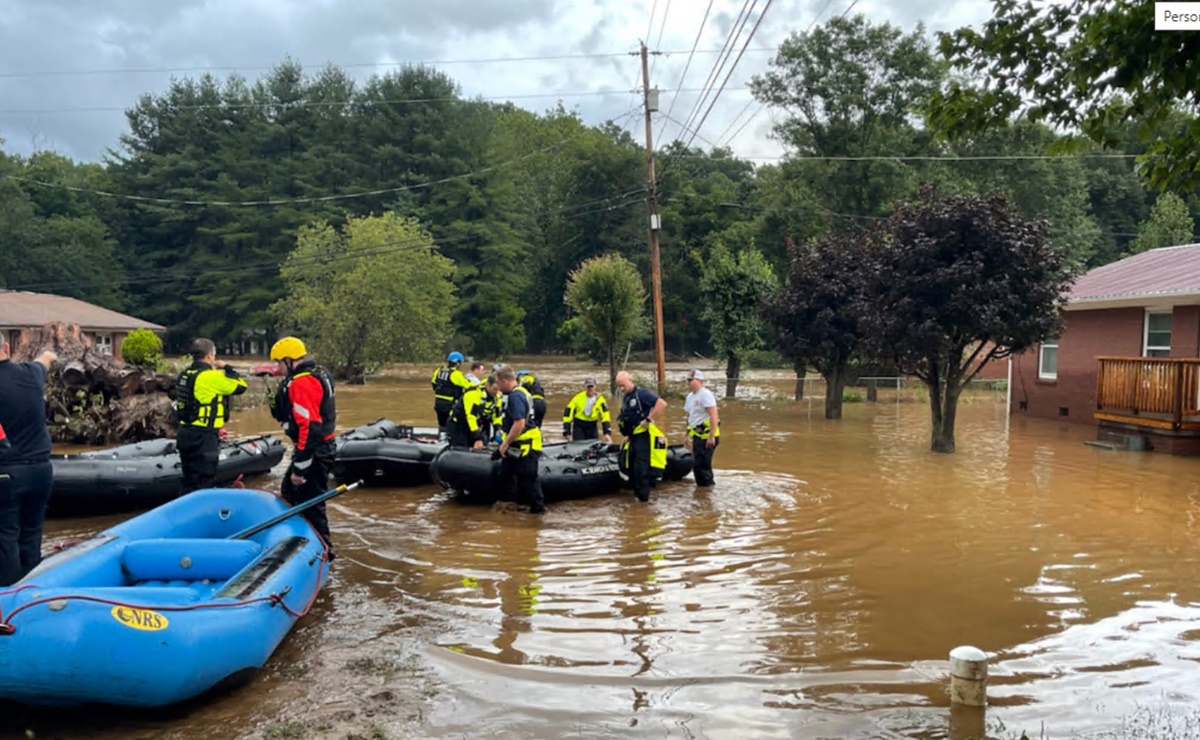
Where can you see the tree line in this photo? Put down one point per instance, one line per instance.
(229, 207)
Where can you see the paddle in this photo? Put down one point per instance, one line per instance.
(298, 508)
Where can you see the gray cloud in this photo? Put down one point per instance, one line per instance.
(81, 114)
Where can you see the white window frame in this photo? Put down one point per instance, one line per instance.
(1042, 375)
(104, 347)
(1146, 346)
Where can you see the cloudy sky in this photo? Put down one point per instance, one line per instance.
(68, 68)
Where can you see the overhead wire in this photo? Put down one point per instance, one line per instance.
(683, 75)
(696, 128)
(764, 105)
(353, 65)
(662, 27)
(451, 237)
(727, 48)
(154, 200)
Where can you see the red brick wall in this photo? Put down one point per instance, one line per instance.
(1086, 335)
(1185, 331)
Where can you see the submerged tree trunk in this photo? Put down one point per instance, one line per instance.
(801, 369)
(835, 387)
(733, 368)
(943, 408)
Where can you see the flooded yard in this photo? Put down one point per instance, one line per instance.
(814, 592)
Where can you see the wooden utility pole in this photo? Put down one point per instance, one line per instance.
(651, 100)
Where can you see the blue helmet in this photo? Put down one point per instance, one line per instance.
(455, 357)
(523, 372)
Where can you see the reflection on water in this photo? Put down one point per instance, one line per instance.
(814, 592)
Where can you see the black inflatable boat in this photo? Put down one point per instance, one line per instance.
(568, 470)
(384, 453)
(144, 475)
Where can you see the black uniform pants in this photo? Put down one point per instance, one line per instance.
(442, 408)
(584, 430)
(702, 456)
(316, 482)
(199, 452)
(24, 494)
(519, 481)
(640, 474)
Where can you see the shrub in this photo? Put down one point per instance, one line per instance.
(142, 348)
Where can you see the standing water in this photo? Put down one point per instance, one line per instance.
(816, 591)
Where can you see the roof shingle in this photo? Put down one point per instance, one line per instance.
(1167, 271)
(19, 309)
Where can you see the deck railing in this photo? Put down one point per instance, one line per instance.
(1166, 388)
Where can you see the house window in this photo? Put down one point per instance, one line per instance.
(104, 344)
(1157, 338)
(1048, 360)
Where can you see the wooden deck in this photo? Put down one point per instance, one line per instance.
(1160, 394)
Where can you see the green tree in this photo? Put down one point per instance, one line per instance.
(1083, 65)
(849, 89)
(955, 282)
(733, 288)
(142, 348)
(816, 312)
(607, 296)
(1169, 225)
(373, 292)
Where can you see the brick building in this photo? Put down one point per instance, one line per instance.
(23, 311)
(1127, 358)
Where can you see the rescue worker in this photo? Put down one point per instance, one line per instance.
(470, 422)
(448, 384)
(703, 427)
(645, 445)
(26, 473)
(522, 445)
(304, 403)
(535, 389)
(202, 394)
(585, 409)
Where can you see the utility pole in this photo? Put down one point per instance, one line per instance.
(651, 100)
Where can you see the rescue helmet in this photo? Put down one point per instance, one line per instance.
(454, 357)
(288, 348)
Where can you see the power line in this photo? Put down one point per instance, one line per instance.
(352, 65)
(293, 201)
(764, 105)
(915, 158)
(730, 40)
(327, 103)
(698, 126)
(449, 238)
(662, 27)
(686, 67)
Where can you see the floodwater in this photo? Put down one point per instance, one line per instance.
(814, 592)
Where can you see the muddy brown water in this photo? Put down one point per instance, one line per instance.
(814, 592)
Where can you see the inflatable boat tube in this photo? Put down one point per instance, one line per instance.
(384, 453)
(566, 471)
(145, 475)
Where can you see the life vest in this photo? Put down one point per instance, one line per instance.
(281, 405)
(444, 387)
(701, 432)
(658, 448)
(190, 411)
(472, 409)
(530, 440)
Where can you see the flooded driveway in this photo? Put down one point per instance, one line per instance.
(814, 592)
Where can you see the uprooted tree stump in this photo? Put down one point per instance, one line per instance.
(94, 398)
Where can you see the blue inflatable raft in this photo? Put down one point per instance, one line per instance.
(162, 608)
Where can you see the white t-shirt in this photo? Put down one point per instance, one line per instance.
(697, 404)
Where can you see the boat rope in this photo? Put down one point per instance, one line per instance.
(275, 599)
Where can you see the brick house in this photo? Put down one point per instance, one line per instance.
(1128, 358)
(23, 311)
